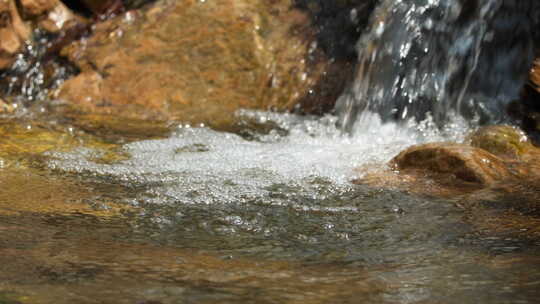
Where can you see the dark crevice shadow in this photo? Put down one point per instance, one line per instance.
(336, 25)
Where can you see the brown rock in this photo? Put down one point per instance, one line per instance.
(452, 163)
(59, 17)
(192, 61)
(13, 33)
(38, 7)
(19, 26)
(9, 41)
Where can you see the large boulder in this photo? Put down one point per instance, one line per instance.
(191, 61)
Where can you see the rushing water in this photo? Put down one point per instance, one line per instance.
(34, 72)
(441, 57)
(214, 203)
(198, 165)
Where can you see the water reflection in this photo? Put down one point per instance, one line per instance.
(424, 253)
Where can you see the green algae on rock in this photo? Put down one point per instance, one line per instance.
(118, 129)
(25, 144)
(192, 61)
(501, 140)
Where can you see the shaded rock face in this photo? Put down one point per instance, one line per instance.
(191, 61)
(527, 109)
(338, 24)
(336, 27)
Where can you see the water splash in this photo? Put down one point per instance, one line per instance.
(440, 57)
(306, 155)
(34, 72)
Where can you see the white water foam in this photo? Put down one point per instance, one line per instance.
(200, 165)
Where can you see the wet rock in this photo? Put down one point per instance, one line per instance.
(527, 109)
(493, 158)
(191, 61)
(29, 190)
(13, 33)
(503, 141)
(336, 27)
(58, 18)
(38, 7)
(451, 163)
(18, 22)
(25, 144)
(534, 75)
(10, 45)
(338, 24)
(119, 129)
(49, 15)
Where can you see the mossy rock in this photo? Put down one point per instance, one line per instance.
(504, 141)
(25, 144)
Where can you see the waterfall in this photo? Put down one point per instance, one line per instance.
(436, 58)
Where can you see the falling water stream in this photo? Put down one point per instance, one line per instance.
(435, 57)
(269, 214)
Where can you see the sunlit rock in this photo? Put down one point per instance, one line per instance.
(451, 162)
(58, 18)
(38, 7)
(9, 45)
(503, 141)
(191, 61)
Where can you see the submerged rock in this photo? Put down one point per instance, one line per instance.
(26, 144)
(191, 61)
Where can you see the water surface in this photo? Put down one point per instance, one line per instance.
(264, 216)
